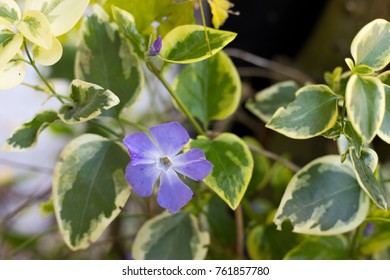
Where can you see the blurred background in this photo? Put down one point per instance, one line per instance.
(309, 37)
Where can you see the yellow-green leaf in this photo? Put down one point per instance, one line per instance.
(10, 44)
(10, 11)
(36, 28)
(50, 56)
(13, 73)
(219, 9)
(61, 14)
(187, 43)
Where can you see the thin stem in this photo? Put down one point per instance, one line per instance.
(269, 64)
(179, 103)
(268, 154)
(240, 238)
(29, 167)
(134, 124)
(109, 130)
(204, 25)
(43, 79)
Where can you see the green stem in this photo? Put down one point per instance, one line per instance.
(32, 63)
(205, 27)
(134, 124)
(179, 103)
(109, 130)
(240, 237)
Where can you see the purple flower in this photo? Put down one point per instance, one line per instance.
(155, 48)
(156, 157)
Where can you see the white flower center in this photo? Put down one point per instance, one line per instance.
(164, 163)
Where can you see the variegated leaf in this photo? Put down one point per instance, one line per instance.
(187, 43)
(13, 73)
(10, 44)
(365, 103)
(26, 136)
(50, 56)
(89, 102)
(268, 100)
(313, 112)
(61, 14)
(370, 46)
(10, 11)
(89, 188)
(364, 169)
(171, 237)
(36, 28)
(385, 78)
(384, 130)
(323, 198)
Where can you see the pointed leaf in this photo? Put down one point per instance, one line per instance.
(211, 89)
(233, 166)
(13, 73)
(171, 237)
(89, 188)
(166, 14)
(50, 56)
(106, 59)
(323, 198)
(320, 248)
(35, 27)
(268, 100)
(365, 175)
(10, 44)
(313, 112)
(26, 136)
(89, 101)
(384, 130)
(10, 11)
(219, 10)
(61, 14)
(365, 103)
(187, 43)
(126, 24)
(371, 45)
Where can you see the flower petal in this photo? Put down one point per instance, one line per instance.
(170, 137)
(173, 193)
(142, 178)
(192, 164)
(141, 148)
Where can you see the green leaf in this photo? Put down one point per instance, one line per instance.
(320, 248)
(384, 130)
(106, 59)
(264, 242)
(26, 136)
(89, 188)
(167, 13)
(268, 100)
(353, 138)
(323, 198)
(362, 70)
(36, 28)
(13, 73)
(171, 237)
(313, 112)
(365, 103)
(219, 10)
(10, 11)
(89, 101)
(126, 24)
(364, 169)
(233, 165)
(10, 44)
(261, 167)
(211, 89)
(371, 45)
(187, 43)
(61, 14)
(385, 78)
